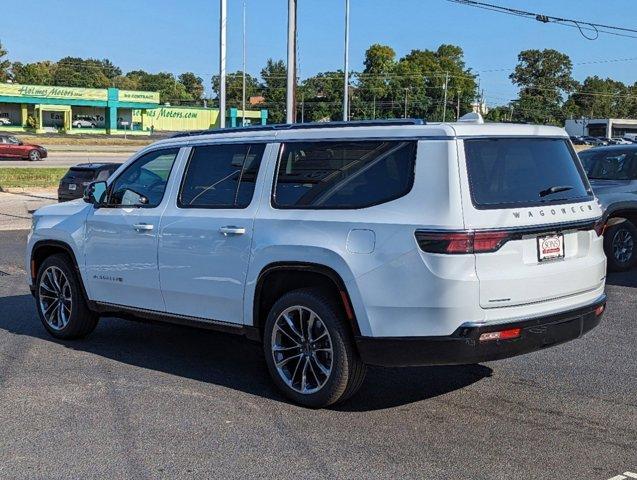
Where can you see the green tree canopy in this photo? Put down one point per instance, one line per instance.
(544, 78)
(4, 64)
(274, 89)
(234, 88)
(38, 73)
(193, 84)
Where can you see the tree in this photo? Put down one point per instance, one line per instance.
(234, 88)
(38, 73)
(170, 90)
(274, 89)
(322, 96)
(600, 98)
(373, 83)
(544, 78)
(77, 72)
(4, 64)
(193, 85)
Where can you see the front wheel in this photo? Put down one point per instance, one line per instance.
(620, 244)
(34, 156)
(60, 300)
(309, 350)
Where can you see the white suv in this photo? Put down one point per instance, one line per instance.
(336, 246)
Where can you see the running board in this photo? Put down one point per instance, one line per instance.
(133, 313)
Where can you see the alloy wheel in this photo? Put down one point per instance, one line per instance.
(302, 349)
(623, 245)
(34, 156)
(56, 302)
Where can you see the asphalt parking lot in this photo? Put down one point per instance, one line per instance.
(141, 401)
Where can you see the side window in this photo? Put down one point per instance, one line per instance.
(221, 176)
(143, 183)
(337, 175)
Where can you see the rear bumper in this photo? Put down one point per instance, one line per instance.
(464, 346)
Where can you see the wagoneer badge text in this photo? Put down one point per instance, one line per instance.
(555, 211)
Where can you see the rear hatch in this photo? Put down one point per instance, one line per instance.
(530, 200)
(75, 180)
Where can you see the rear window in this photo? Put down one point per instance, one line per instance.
(523, 172)
(610, 165)
(80, 174)
(344, 175)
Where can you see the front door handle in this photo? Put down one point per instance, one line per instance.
(232, 230)
(143, 227)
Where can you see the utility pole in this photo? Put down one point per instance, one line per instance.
(458, 107)
(303, 107)
(290, 114)
(346, 66)
(406, 90)
(243, 109)
(222, 62)
(374, 108)
(444, 107)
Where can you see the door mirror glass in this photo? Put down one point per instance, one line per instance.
(95, 193)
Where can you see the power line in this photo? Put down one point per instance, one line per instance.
(581, 25)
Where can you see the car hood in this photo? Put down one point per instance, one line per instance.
(64, 209)
(606, 186)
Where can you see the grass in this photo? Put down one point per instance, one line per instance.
(90, 140)
(30, 177)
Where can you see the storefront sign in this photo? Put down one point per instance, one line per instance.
(40, 91)
(138, 97)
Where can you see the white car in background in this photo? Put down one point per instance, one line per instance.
(336, 246)
(83, 123)
(5, 121)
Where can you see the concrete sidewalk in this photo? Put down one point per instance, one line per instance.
(17, 206)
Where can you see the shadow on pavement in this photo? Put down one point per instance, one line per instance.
(230, 361)
(623, 279)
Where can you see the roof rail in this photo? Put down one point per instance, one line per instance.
(304, 126)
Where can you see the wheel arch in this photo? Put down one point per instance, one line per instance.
(286, 276)
(626, 210)
(43, 249)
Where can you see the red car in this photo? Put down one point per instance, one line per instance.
(11, 147)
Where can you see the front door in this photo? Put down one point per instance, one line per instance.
(122, 237)
(205, 241)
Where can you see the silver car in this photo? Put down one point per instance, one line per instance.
(612, 172)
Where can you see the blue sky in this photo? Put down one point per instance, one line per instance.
(182, 35)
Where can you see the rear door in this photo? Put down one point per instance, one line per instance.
(531, 192)
(206, 235)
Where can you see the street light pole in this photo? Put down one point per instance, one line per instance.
(290, 114)
(406, 90)
(444, 107)
(222, 62)
(346, 66)
(243, 108)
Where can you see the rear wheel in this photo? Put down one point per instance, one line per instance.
(60, 300)
(620, 244)
(34, 156)
(309, 350)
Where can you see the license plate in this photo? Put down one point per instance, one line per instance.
(72, 186)
(550, 247)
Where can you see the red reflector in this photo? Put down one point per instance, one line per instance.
(501, 335)
(600, 227)
(599, 310)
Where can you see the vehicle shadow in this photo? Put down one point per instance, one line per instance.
(623, 279)
(230, 361)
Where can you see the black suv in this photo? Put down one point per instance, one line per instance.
(73, 183)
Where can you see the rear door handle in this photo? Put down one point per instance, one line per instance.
(143, 227)
(232, 230)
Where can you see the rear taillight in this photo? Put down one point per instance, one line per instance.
(461, 242)
(509, 334)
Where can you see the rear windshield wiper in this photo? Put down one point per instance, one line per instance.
(555, 189)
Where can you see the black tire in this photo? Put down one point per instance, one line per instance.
(34, 156)
(347, 372)
(624, 258)
(81, 321)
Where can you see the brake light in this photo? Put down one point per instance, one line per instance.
(461, 242)
(509, 334)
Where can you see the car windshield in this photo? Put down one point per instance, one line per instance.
(523, 172)
(609, 165)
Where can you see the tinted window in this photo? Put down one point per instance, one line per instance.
(523, 171)
(146, 177)
(80, 174)
(610, 165)
(344, 174)
(221, 176)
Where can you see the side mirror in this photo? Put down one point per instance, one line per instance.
(95, 193)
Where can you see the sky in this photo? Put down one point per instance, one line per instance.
(183, 35)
